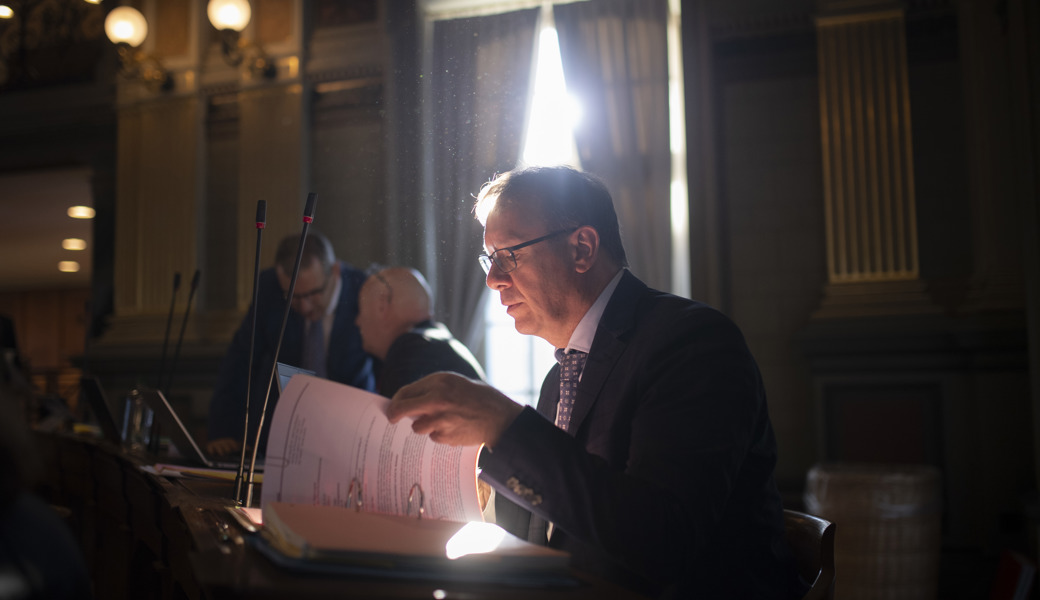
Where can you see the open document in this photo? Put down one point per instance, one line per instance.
(331, 444)
(346, 492)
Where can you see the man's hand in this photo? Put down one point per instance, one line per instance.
(454, 410)
(222, 446)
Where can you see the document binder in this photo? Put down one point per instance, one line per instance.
(346, 491)
(340, 539)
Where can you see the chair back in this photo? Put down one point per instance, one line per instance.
(812, 542)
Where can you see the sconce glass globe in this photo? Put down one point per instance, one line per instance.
(229, 14)
(127, 25)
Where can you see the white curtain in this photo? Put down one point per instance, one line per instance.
(478, 82)
(615, 60)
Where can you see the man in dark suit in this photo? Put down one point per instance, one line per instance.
(395, 316)
(320, 336)
(656, 472)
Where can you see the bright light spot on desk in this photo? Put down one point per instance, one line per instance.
(81, 212)
(439, 594)
(474, 538)
(73, 244)
(68, 266)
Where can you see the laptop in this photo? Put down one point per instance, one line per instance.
(171, 426)
(95, 397)
(285, 372)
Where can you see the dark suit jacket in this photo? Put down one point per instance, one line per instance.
(428, 348)
(347, 362)
(666, 485)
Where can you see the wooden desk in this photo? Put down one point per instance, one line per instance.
(146, 536)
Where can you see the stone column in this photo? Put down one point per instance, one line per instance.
(997, 153)
(273, 134)
(156, 204)
(868, 171)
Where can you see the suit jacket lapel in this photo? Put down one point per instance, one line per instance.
(608, 344)
(550, 393)
(342, 319)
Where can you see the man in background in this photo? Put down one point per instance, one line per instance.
(320, 336)
(397, 327)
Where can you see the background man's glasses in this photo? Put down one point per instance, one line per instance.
(311, 295)
(505, 260)
(389, 290)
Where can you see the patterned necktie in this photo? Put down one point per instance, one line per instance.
(571, 365)
(313, 358)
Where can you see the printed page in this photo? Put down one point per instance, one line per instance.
(330, 442)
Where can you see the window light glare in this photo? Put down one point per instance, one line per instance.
(68, 266)
(81, 212)
(73, 244)
(554, 112)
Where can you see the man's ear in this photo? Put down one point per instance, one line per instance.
(585, 244)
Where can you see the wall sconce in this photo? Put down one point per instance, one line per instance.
(126, 27)
(230, 17)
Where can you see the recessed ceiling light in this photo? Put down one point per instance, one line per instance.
(73, 244)
(6, 12)
(81, 212)
(68, 266)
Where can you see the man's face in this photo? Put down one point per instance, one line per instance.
(536, 291)
(313, 289)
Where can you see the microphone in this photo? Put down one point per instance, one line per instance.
(261, 222)
(153, 435)
(308, 218)
(184, 325)
(169, 321)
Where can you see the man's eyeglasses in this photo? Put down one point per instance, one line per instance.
(505, 260)
(389, 290)
(311, 295)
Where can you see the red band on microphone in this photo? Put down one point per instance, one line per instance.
(308, 219)
(260, 225)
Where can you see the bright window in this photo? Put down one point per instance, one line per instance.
(516, 363)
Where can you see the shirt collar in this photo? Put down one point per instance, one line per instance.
(581, 338)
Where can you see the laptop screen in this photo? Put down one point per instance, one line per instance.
(285, 373)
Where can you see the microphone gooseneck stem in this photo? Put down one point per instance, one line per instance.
(308, 217)
(153, 430)
(166, 338)
(261, 222)
(180, 338)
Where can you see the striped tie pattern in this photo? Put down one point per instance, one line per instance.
(314, 348)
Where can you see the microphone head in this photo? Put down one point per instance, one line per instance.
(176, 281)
(308, 210)
(195, 280)
(261, 214)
